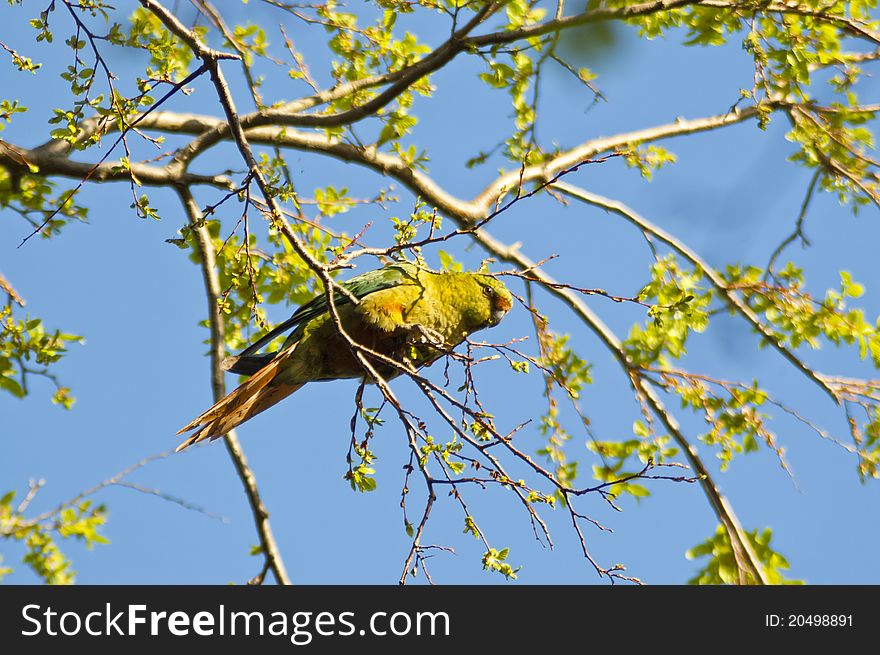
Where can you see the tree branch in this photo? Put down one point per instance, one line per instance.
(730, 296)
(590, 16)
(746, 558)
(218, 386)
(44, 161)
(471, 211)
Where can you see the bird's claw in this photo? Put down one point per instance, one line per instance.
(431, 336)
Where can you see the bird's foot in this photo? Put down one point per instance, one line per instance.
(430, 336)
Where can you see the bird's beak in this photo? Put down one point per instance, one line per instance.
(501, 307)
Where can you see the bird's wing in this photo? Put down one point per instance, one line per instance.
(358, 286)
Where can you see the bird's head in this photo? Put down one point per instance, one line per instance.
(500, 300)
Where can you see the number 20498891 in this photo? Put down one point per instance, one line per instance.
(808, 620)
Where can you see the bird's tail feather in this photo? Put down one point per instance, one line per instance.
(258, 393)
(247, 364)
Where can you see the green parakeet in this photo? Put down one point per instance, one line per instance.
(404, 311)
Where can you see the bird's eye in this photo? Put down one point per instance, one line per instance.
(488, 291)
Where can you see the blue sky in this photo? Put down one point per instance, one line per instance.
(142, 372)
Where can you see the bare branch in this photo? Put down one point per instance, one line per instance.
(218, 385)
(733, 300)
(745, 555)
(470, 211)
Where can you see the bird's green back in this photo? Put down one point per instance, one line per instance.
(359, 286)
